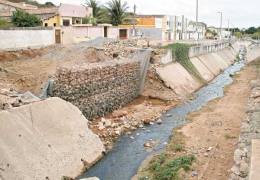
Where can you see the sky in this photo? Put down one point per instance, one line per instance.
(240, 13)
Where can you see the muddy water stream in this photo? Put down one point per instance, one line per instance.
(124, 160)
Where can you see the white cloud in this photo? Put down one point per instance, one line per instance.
(241, 13)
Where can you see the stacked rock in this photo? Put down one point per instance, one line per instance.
(98, 88)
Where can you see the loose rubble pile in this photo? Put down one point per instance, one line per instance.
(122, 49)
(250, 129)
(128, 119)
(9, 98)
(98, 88)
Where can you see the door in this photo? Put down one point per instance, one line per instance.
(105, 31)
(57, 36)
(123, 33)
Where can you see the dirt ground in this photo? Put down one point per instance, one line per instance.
(213, 132)
(29, 70)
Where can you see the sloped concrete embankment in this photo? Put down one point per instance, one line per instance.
(46, 140)
(253, 52)
(175, 76)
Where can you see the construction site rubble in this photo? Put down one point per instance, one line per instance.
(9, 98)
(122, 49)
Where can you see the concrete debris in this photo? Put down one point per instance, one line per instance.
(52, 132)
(91, 178)
(9, 98)
(209, 149)
(159, 121)
(194, 174)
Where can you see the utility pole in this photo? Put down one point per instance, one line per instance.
(220, 28)
(134, 29)
(197, 11)
(197, 18)
(229, 30)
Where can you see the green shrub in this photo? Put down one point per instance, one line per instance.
(181, 54)
(24, 19)
(169, 170)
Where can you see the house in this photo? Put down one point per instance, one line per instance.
(63, 15)
(196, 30)
(7, 8)
(222, 34)
(167, 28)
(149, 26)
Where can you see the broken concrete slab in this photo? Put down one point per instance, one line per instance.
(46, 140)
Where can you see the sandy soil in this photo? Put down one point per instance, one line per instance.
(213, 132)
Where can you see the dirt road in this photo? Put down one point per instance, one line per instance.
(213, 132)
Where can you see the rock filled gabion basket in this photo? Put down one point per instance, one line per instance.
(98, 88)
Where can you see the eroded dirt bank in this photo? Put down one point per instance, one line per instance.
(211, 135)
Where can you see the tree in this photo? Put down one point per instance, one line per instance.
(24, 19)
(117, 11)
(100, 14)
(49, 4)
(251, 30)
(238, 35)
(94, 4)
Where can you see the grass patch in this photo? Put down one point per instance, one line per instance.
(228, 136)
(169, 170)
(181, 53)
(178, 147)
(170, 164)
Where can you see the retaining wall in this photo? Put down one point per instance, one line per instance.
(22, 38)
(99, 88)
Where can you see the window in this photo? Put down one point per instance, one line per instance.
(46, 24)
(66, 22)
(54, 24)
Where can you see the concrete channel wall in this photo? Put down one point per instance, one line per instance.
(209, 65)
(253, 53)
(99, 88)
(22, 38)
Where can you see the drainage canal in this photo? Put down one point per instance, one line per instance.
(124, 160)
